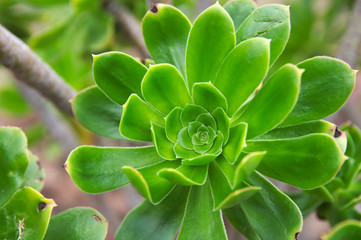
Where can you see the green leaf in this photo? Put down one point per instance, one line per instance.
(77, 224)
(223, 195)
(162, 144)
(208, 120)
(274, 101)
(200, 221)
(26, 215)
(190, 113)
(155, 222)
(173, 124)
(13, 161)
(306, 162)
(184, 139)
(269, 21)
(238, 219)
(242, 71)
(270, 212)
(165, 31)
(350, 230)
(222, 122)
(164, 88)
(185, 175)
(199, 160)
(239, 10)
(34, 174)
(236, 142)
(98, 113)
(148, 183)
(210, 40)
(208, 96)
(318, 126)
(136, 119)
(118, 75)
(87, 164)
(247, 165)
(326, 84)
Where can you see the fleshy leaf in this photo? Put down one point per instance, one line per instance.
(305, 162)
(26, 215)
(208, 96)
(190, 113)
(78, 223)
(239, 10)
(222, 121)
(161, 222)
(165, 31)
(200, 221)
(185, 175)
(236, 142)
(318, 126)
(350, 230)
(173, 124)
(210, 40)
(164, 88)
(98, 113)
(273, 102)
(199, 160)
(148, 183)
(247, 165)
(328, 82)
(118, 75)
(162, 144)
(184, 139)
(223, 195)
(207, 120)
(34, 174)
(182, 152)
(87, 164)
(217, 144)
(14, 161)
(136, 119)
(269, 21)
(268, 221)
(242, 71)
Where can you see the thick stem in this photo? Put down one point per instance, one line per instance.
(31, 70)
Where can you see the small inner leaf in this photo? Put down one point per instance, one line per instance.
(202, 149)
(193, 127)
(207, 119)
(163, 145)
(184, 139)
(173, 124)
(190, 114)
(222, 121)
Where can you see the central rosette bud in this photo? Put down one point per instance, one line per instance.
(199, 140)
(197, 134)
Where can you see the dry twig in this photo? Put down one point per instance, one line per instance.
(31, 70)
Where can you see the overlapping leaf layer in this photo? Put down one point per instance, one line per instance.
(216, 121)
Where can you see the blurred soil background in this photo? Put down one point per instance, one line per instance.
(65, 34)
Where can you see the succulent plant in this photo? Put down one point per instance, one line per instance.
(218, 122)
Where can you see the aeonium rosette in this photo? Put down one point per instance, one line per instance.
(216, 121)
